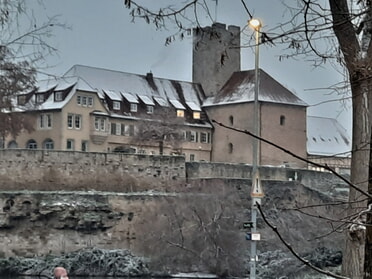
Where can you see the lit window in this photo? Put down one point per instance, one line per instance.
(180, 113)
(116, 105)
(133, 107)
(150, 109)
(58, 96)
(196, 115)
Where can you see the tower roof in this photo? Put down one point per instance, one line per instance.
(240, 89)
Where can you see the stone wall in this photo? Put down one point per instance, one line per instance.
(73, 170)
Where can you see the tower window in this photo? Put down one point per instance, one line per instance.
(231, 120)
(282, 120)
(231, 148)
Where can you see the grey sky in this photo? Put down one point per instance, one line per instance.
(103, 35)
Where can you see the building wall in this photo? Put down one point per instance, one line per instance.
(236, 147)
(214, 59)
(290, 134)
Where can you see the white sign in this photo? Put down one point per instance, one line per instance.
(256, 236)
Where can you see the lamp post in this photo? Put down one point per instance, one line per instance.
(256, 192)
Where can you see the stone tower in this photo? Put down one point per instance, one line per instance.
(216, 55)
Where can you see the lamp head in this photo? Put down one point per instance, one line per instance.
(255, 23)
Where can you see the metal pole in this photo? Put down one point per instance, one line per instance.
(256, 160)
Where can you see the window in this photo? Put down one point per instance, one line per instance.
(70, 121)
(84, 145)
(48, 144)
(231, 148)
(77, 121)
(131, 130)
(70, 144)
(204, 138)
(231, 120)
(116, 105)
(100, 123)
(115, 129)
(58, 96)
(196, 115)
(40, 98)
(192, 157)
(12, 144)
(133, 107)
(122, 129)
(282, 120)
(193, 136)
(31, 144)
(82, 100)
(180, 113)
(150, 109)
(74, 121)
(90, 101)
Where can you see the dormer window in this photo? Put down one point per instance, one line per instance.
(40, 98)
(133, 107)
(196, 115)
(58, 96)
(180, 113)
(116, 105)
(150, 109)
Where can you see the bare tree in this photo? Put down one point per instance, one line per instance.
(160, 130)
(22, 45)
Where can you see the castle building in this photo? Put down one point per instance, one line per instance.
(101, 110)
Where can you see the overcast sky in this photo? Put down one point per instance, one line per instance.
(102, 35)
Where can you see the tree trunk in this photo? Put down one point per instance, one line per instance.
(354, 253)
(368, 243)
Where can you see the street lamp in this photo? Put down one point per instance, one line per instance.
(256, 192)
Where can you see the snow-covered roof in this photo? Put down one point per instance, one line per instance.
(147, 100)
(177, 104)
(115, 96)
(55, 84)
(140, 85)
(327, 137)
(241, 86)
(129, 97)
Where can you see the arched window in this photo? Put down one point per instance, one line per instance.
(48, 144)
(31, 144)
(231, 120)
(282, 120)
(231, 148)
(12, 144)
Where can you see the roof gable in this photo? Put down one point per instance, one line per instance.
(241, 86)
